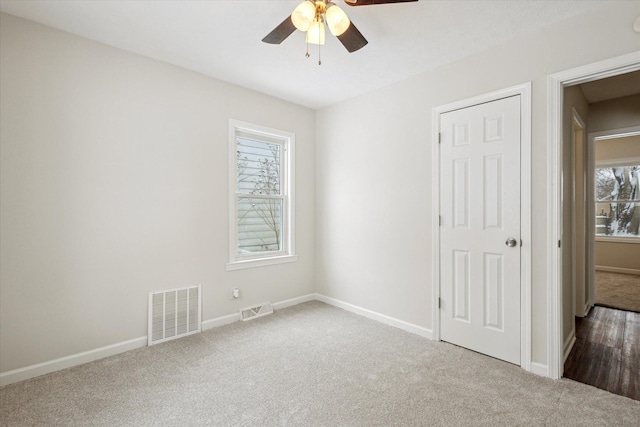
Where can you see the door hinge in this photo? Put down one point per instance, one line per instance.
(439, 220)
(559, 244)
(439, 302)
(439, 137)
(520, 242)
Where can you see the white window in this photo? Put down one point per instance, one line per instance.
(617, 200)
(261, 205)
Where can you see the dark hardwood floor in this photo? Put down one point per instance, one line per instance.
(607, 351)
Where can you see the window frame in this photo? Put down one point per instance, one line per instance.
(286, 140)
(631, 161)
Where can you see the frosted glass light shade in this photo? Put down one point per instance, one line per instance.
(303, 15)
(337, 20)
(315, 34)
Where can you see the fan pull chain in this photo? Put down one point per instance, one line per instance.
(307, 55)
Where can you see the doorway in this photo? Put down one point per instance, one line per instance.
(607, 333)
(560, 307)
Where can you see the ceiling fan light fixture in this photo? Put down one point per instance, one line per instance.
(303, 15)
(337, 20)
(316, 33)
(310, 16)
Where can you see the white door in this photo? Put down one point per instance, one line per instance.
(480, 228)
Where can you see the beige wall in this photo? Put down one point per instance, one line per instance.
(617, 113)
(624, 256)
(615, 255)
(114, 184)
(374, 175)
(619, 148)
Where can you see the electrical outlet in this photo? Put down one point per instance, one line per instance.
(235, 293)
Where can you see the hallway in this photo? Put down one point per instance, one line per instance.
(606, 353)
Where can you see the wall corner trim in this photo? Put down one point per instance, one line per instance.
(382, 318)
(539, 369)
(617, 270)
(294, 301)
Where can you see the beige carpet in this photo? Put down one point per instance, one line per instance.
(308, 365)
(618, 290)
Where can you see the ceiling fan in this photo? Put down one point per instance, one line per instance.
(310, 16)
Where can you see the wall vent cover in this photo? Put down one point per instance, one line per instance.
(174, 313)
(257, 311)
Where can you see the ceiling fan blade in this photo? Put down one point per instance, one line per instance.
(281, 32)
(352, 39)
(371, 2)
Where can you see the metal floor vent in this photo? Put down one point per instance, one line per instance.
(257, 311)
(174, 313)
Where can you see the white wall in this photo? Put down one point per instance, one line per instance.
(114, 184)
(373, 155)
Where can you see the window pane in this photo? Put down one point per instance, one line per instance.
(617, 183)
(617, 206)
(259, 225)
(605, 183)
(258, 167)
(620, 219)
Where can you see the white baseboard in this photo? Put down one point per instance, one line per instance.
(539, 369)
(568, 345)
(294, 301)
(32, 371)
(36, 370)
(585, 310)
(382, 318)
(220, 321)
(618, 270)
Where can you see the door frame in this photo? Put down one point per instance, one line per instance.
(590, 193)
(524, 90)
(555, 100)
(577, 121)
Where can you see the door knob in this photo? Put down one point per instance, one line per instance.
(511, 242)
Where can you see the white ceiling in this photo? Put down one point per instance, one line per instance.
(222, 39)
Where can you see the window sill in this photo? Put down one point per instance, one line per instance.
(260, 262)
(609, 239)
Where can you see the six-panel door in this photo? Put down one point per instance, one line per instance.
(480, 212)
